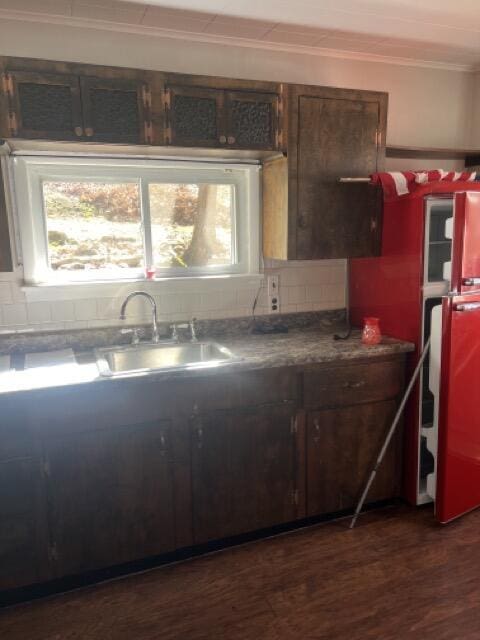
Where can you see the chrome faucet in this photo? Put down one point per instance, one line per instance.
(154, 311)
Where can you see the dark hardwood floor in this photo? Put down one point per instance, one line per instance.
(397, 576)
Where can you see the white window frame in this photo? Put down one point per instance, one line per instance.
(29, 172)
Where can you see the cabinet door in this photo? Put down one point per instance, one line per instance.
(6, 263)
(24, 553)
(196, 117)
(23, 538)
(110, 495)
(243, 471)
(252, 120)
(337, 138)
(45, 106)
(342, 446)
(115, 110)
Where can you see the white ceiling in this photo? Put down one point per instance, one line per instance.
(437, 31)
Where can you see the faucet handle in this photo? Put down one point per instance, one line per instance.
(135, 334)
(174, 332)
(193, 330)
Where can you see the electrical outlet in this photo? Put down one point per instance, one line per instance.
(273, 291)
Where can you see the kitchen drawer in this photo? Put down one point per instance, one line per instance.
(353, 383)
(244, 389)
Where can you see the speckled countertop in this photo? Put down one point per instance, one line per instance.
(298, 348)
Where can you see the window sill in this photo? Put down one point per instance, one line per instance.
(83, 290)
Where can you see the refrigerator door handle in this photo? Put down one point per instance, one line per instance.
(471, 282)
(467, 306)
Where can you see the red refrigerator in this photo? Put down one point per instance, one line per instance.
(427, 284)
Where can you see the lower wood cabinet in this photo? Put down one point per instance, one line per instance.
(243, 470)
(342, 446)
(24, 555)
(110, 496)
(92, 477)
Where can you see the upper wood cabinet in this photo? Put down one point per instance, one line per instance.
(195, 116)
(72, 107)
(199, 116)
(44, 105)
(252, 120)
(333, 133)
(115, 110)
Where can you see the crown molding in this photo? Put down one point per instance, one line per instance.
(138, 29)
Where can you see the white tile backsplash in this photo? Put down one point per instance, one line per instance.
(15, 314)
(303, 286)
(63, 310)
(5, 293)
(39, 312)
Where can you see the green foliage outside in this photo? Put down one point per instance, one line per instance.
(98, 225)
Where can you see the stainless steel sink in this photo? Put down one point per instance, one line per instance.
(117, 361)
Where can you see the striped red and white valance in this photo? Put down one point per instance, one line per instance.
(402, 183)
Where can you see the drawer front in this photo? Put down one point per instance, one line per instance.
(352, 384)
(245, 389)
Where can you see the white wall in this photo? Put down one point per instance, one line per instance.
(427, 107)
(475, 126)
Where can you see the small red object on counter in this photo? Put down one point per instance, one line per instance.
(371, 331)
(150, 273)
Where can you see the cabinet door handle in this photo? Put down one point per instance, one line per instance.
(199, 437)
(316, 424)
(231, 139)
(353, 385)
(302, 221)
(223, 139)
(162, 444)
(78, 131)
(89, 132)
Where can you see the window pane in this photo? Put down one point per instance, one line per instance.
(93, 225)
(192, 224)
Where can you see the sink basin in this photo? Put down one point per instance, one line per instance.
(117, 361)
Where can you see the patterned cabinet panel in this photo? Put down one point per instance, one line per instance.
(195, 117)
(44, 105)
(116, 110)
(252, 120)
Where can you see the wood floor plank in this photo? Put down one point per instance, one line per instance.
(397, 576)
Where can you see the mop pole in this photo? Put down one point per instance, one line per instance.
(390, 433)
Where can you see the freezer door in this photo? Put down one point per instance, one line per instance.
(458, 471)
(466, 242)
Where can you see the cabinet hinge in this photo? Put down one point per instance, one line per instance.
(53, 552)
(148, 128)
(294, 496)
(293, 425)
(146, 96)
(7, 84)
(166, 106)
(12, 123)
(166, 99)
(279, 133)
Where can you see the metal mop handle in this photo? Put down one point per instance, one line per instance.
(390, 433)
